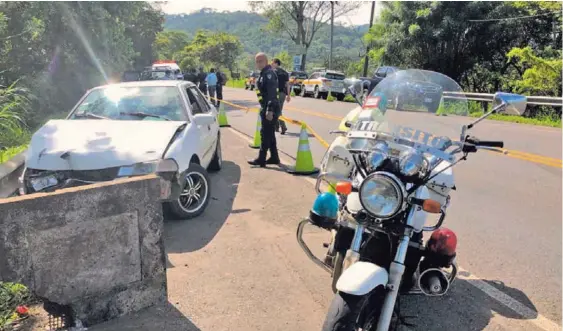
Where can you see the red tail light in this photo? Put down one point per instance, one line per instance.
(371, 102)
(443, 241)
(324, 80)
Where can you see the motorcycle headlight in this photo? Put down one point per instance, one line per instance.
(382, 194)
(412, 163)
(145, 168)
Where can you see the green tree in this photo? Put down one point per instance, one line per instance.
(299, 20)
(540, 75)
(285, 59)
(168, 44)
(216, 49)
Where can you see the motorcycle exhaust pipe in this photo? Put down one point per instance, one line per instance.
(433, 282)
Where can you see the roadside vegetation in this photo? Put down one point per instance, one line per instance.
(14, 301)
(52, 52)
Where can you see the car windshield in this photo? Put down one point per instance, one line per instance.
(330, 75)
(403, 109)
(132, 103)
(299, 74)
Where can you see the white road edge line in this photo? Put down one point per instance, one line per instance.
(528, 314)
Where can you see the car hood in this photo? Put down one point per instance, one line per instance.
(98, 144)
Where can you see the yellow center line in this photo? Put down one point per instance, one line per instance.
(535, 158)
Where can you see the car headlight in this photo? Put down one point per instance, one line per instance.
(382, 194)
(413, 163)
(145, 168)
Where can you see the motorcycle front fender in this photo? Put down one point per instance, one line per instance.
(361, 278)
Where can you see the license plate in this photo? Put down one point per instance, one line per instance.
(329, 83)
(428, 100)
(42, 183)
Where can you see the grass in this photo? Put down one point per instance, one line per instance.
(349, 98)
(476, 110)
(10, 152)
(12, 295)
(541, 121)
(236, 83)
(330, 98)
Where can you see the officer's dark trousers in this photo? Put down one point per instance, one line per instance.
(268, 136)
(219, 94)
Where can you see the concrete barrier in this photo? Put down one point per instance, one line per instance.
(10, 171)
(97, 249)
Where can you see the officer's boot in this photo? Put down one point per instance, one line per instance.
(283, 126)
(260, 161)
(274, 158)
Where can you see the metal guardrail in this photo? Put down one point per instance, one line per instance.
(10, 172)
(486, 97)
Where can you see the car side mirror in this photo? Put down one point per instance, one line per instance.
(204, 119)
(515, 103)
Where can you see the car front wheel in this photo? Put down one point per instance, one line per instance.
(195, 194)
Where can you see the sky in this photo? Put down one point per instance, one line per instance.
(356, 17)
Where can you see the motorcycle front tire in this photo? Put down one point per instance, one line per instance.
(349, 313)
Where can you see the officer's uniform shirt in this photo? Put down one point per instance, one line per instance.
(283, 78)
(267, 90)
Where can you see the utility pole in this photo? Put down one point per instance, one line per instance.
(366, 59)
(331, 33)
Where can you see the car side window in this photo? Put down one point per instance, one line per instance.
(381, 72)
(194, 102)
(204, 103)
(314, 76)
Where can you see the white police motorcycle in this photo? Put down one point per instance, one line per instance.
(387, 176)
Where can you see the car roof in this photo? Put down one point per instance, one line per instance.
(148, 83)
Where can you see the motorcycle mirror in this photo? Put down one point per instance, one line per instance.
(515, 104)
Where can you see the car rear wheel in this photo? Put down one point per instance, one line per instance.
(303, 92)
(195, 194)
(316, 93)
(340, 97)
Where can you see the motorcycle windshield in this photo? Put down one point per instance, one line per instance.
(411, 108)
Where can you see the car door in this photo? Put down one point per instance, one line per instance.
(310, 86)
(206, 134)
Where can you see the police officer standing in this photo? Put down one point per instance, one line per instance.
(283, 91)
(267, 92)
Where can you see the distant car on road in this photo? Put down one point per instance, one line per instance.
(418, 92)
(166, 127)
(296, 79)
(323, 82)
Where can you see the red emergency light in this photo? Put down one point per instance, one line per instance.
(164, 62)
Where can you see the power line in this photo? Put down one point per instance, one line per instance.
(514, 18)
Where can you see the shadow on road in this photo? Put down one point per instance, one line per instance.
(465, 307)
(186, 236)
(163, 317)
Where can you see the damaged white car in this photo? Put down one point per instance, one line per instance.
(165, 127)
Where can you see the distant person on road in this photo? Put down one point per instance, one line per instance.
(201, 80)
(267, 92)
(221, 81)
(211, 81)
(191, 76)
(283, 91)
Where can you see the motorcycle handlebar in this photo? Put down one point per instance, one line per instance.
(484, 143)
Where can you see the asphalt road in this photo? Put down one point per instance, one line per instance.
(506, 210)
(238, 267)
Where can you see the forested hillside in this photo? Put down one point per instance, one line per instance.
(249, 27)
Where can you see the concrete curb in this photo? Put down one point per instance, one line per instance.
(10, 172)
